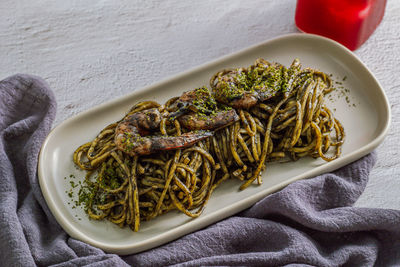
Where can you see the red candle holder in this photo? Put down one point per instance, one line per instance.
(350, 22)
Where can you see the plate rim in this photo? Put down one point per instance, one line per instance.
(203, 221)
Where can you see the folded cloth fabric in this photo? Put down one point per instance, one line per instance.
(310, 222)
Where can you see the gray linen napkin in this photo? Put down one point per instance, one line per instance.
(310, 222)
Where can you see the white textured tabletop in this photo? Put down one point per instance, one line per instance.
(93, 51)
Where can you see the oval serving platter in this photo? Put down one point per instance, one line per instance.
(364, 112)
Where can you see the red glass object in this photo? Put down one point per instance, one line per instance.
(350, 22)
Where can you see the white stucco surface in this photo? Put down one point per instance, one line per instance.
(93, 51)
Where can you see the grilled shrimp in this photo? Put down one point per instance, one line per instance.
(196, 121)
(131, 135)
(244, 88)
(229, 87)
(198, 110)
(197, 100)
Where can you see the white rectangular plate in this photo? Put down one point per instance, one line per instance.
(365, 124)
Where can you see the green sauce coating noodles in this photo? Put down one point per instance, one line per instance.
(293, 122)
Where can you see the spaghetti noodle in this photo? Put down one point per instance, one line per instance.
(271, 113)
